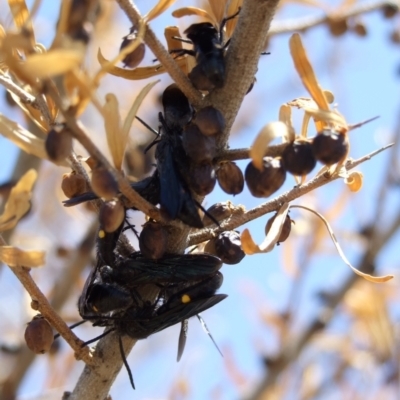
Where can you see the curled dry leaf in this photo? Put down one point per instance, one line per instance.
(158, 9)
(285, 116)
(269, 132)
(189, 11)
(353, 180)
(112, 125)
(132, 112)
(24, 139)
(368, 277)
(15, 257)
(117, 135)
(250, 247)
(306, 72)
(137, 73)
(18, 202)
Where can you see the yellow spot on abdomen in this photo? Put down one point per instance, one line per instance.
(186, 299)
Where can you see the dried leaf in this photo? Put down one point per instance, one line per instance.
(15, 257)
(112, 125)
(218, 9)
(268, 133)
(232, 9)
(18, 202)
(55, 62)
(188, 11)
(20, 14)
(306, 72)
(353, 180)
(285, 116)
(137, 73)
(330, 117)
(250, 247)
(368, 277)
(172, 44)
(158, 9)
(132, 114)
(24, 139)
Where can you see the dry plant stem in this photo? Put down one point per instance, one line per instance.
(60, 294)
(124, 186)
(243, 154)
(14, 88)
(162, 55)
(44, 307)
(302, 24)
(273, 205)
(95, 383)
(242, 57)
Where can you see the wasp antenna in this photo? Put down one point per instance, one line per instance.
(208, 333)
(182, 339)
(105, 333)
(216, 222)
(57, 335)
(131, 227)
(147, 126)
(121, 350)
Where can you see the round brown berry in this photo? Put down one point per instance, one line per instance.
(228, 247)
(135, 57)
(298, 158)
(111, 215)
(73, 184)
(58, 143)
(219, 211)
(200, 148)
(103, 183)
(230, 178)
(287, 227)
(202, 179)
(330, 147)
(153, 240)
(210, 121)
(267, 181)
(39, 335)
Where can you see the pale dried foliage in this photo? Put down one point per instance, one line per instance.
(306, 360)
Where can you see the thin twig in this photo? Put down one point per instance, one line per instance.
(303, 24)
(41, 304)
(243, 154)
(273, 205)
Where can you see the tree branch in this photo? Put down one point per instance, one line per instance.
(273, 205)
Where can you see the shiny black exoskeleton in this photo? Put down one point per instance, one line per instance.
(136, 296)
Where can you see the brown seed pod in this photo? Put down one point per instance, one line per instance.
(200, 148)
(135, 57)
(73, 184)
(39, 335)
(287, 227)
(111, 215)
(330, 147)
(390, 10)
(360, 29)
(267, 181)
(58, 143)
(200, 80)
(210, 121)
(203, 179)
(153, 240)
(230, 178)
(219, 211)
(338, 27)
(103, 183)
(228, 247)
(298, 158)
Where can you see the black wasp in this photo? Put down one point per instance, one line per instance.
(173, 164)
(137, 297)
(209, 51)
